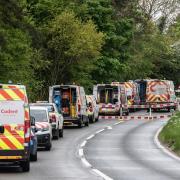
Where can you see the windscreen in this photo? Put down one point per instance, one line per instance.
(11, 112)
(39, 115)
(50, 108)
(108, 94)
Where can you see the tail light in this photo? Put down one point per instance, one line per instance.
(53, 118)
(27, 131)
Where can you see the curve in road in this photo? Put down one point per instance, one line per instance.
(128, 152)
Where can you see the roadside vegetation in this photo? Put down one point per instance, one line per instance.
(47, 42)
(170, 134)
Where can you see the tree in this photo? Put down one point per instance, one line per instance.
(71, 41)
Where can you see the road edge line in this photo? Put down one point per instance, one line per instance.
(163, 148)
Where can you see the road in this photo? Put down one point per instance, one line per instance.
(62, 162)
(127, 151)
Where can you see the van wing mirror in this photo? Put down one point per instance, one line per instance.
(32, 121)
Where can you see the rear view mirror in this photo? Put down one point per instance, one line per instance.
(32, 121)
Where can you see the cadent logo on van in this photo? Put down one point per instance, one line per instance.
(9, 111)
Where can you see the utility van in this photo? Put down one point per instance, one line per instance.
(110, 98)
(71, 100)
(155, 91)
(14, 126)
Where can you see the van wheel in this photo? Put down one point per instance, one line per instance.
(61, 132)
(80, 123)
(48, 147)
(127, 113)
(34, 157)
(57, 135)
(87, 123)
(25, 166)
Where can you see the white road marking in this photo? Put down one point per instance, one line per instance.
(83, 143)
(90, 137)
(86, 163)
(156, 140)
(105, 177)
(100, 131)
(81, 153)
(118, 122)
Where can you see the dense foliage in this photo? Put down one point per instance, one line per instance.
(46, 42)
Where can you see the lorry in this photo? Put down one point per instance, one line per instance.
(15, 126)
(111, 98)
(71, 100)
(156, 92)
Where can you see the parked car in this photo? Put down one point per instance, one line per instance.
(71, 99)
(55, 116)
(93, 109)
(14, 132)
(33, 141)
(43, 126)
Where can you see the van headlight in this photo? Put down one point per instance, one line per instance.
(45, 129)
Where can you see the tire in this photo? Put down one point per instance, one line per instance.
(80, 124)
(127, 113)
(34, 157)
(168, 109)
(57, 135)
(25, 165)
(48, 147)
(87, 123)
(61, 132)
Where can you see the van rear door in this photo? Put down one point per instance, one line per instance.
(12, 124)
(12, 118)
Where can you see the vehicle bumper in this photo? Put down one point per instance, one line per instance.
(14, 156)
(43, 140)
(70, 120)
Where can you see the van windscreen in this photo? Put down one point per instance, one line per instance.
(39, 115)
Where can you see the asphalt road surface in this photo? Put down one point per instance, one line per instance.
(127, 151)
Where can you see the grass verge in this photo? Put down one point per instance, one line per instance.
(170, 134)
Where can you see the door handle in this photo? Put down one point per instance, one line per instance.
(1, 129)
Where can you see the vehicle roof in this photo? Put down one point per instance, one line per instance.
(59, 86)
(12, 86)
(39, 104)
(38, 107)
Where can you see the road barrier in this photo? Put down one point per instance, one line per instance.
(135, 117)
(151, 106)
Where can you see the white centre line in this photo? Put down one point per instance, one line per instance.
(86, 163)
(100, 131)
(83, 143)
(90, 137)
(109, 127)
(81, 152)
(105, 177)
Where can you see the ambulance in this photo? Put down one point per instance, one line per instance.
(14, 126)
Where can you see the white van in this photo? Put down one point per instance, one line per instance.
(71, 100)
